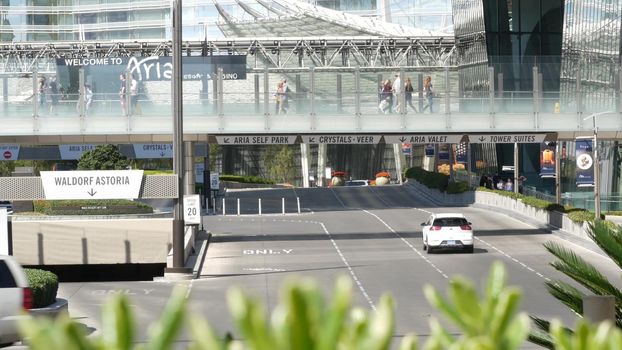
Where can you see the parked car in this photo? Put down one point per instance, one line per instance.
(447, 230)
(15, 297)
(357, 183)
(8, 205)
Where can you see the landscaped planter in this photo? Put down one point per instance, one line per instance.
(383, 178)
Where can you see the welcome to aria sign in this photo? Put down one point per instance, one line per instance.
(155, 68)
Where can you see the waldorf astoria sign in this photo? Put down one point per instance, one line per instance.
(92, 184)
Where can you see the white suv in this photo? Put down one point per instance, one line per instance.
(447, 230)
(15, 297)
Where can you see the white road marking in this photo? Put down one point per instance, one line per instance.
(357, 281)
(425, 258)
(527, 267)
(345, 261)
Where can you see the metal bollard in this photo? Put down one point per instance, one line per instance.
(283, 205)
(238, 206)
(598, 308)
(224, 209)
(259, 206)
(298, 204)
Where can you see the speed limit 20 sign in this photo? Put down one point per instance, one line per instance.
(192, 209)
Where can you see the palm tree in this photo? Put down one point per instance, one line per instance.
(609, 238)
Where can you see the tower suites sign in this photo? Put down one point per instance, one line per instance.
(92, 184)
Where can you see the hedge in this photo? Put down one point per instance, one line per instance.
(44, 285)
(441, 182)
(91, 207)
(436, 180)
(428, 178)
(457, 187)
(247, 179)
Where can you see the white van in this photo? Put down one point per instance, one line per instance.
(16, 297)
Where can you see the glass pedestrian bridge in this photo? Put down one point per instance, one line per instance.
(317, 101)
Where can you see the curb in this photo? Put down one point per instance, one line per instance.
(53, 310)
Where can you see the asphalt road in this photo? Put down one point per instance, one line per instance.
(370, 234)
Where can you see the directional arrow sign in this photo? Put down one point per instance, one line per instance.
(256, 140)
(153, 150)
(423, 138)
(341, 139)
(507, 138)
(92, 184)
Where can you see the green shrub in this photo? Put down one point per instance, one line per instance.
(428, 178)
(44, 285)
(91, 207)
(158, 172)
(543, 204)
(581, 215)
(457, 187)
(510, 194)
(247, 179)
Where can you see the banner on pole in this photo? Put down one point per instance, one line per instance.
(584, 162)
(547, 159)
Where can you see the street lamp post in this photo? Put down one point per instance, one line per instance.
(596, 162)
(178, 133)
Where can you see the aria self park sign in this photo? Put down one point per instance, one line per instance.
(92, 184)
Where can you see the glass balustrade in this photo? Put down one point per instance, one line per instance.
(276, 97)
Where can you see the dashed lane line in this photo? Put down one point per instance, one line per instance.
(425, 258)
(352, 273)
(355, 278)
(511, 258)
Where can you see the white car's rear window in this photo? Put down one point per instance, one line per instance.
(443, 222)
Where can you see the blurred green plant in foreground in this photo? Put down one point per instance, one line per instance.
(304, 321)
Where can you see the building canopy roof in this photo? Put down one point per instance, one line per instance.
(294, 18)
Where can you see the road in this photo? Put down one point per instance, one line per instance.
(370, 234)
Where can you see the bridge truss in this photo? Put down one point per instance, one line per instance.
(321, 52)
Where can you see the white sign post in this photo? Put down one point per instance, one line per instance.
(92, 184)
(192, 209)
(4, 232)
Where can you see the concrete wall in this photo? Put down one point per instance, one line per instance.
(97, 241)
(489, 200)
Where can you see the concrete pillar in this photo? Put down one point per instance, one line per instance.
(189, 176)
(558, 176)
(304, 161)
(516, 167)
(321, 164)
(397, 153)
(207, 193)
